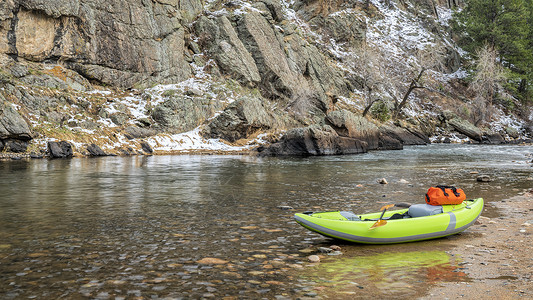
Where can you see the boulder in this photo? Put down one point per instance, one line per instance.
(405, 136)
(347, 26)
(493, 138)
(275, 8)
(181, 113)
(61, 149)
(348, 124)
(240, 119)
(389, 143)
(146, 147)
(512, 132)
(95, 150)
(135, 132)
(314, 140)
(12, 125)
(316, 73)
(462, 126)
(16, 146)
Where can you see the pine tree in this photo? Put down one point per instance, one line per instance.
(504, 25)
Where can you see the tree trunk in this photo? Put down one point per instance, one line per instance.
(414, 85)
(368, 107)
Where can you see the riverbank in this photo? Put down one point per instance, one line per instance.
(490, 260)
(496, 254)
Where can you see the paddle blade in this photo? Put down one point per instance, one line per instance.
(387, 206)
(379, 223)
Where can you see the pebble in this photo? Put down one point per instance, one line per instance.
(522, 231)
(484, 178)
(383, 181)
(325, 250)
(307, 250)
(285, 207)
(313, 258)
(212, 261)
(335, 247)
(403, 181)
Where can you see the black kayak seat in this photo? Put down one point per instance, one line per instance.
(423, 210)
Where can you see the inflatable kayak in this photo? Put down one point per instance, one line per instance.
(416, 223)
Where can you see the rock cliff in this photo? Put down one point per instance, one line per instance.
(126, 76)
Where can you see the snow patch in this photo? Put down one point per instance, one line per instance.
(189, 141)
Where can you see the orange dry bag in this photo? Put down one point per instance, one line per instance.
(443, 195)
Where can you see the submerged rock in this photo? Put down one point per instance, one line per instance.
(212, 261)
(313, 258)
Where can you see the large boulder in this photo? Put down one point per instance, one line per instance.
(12, 125)
(61, 149)
(180, 113)
(240, 119)
(17, 146)
(95, 150)
(462, 126)
(406, 136)
(493, 138)
(350, 125)
(312, 141)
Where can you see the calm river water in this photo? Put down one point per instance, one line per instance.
(212, 227)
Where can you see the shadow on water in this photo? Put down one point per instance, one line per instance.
(151, 226)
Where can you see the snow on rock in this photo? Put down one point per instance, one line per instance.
(190, 141)
(398, 32)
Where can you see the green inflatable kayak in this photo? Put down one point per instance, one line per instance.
(416, 223)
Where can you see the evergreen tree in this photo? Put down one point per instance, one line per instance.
(504, 25)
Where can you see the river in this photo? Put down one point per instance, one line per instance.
(218, 226)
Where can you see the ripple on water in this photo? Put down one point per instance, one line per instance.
(122, 227)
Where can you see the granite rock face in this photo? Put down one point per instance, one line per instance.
(240, 119)
(120, 43)
(354, 126)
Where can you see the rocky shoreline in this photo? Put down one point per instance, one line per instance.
(496, 255)
(490, 260)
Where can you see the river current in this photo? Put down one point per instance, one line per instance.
(221, 226)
